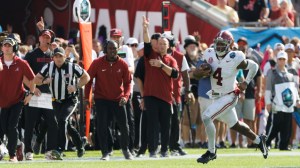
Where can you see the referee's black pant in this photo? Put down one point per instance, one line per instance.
(106, 111)
(9, 120)
(63, 111)
(281, 123)
(34, 115)
(158, 118)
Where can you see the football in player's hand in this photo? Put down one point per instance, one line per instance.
(206, 67)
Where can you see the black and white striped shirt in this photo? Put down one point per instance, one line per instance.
(61, 77)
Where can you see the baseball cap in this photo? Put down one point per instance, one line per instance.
(244, 39)
(16, 37)
(59, 50)
(277, 45)
(46, 32)
(155, 36)
(168, 35)
(289, 46)
(115, 32)
(8, 41)
(282, 54)
(190, 40)
(132, 41)
(140, 46)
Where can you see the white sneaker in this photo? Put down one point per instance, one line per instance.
(48, 155)
(3, 151)
(29, 156)
(53, 155)
(1, 154)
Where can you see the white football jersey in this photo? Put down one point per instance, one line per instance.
(224, 70)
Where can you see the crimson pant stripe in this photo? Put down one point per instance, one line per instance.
(224, 108)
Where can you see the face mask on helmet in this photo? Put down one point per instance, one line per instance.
(222, 43)
(221, 46)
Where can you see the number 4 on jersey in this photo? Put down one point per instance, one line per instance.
(218, 75)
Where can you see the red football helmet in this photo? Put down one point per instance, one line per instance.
(222, 42)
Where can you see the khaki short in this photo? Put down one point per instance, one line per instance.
(246, 109)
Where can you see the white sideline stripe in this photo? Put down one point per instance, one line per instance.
(146, 157)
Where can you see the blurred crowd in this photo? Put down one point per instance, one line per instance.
(267, 12)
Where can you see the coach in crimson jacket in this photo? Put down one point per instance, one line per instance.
(160, 68)
(12, 94)
(112, 90)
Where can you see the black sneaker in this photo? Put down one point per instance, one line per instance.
(188, 145)
(262, 145)
(140, 155)
(198, 145)
(206, 157)
(174, 153)
(133, 153)
(80, 152)
(153, 155)
(204, 145)
(37, 148)
(164, 154)
(127, 154)
(232, 145)
(111, 152)
(222, 144)
(105, 157)
(181, 152)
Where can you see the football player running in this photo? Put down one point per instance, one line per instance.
(225, 90)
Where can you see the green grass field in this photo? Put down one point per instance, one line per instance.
(227, 158)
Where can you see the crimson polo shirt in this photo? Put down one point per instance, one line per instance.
(177, 85)
(11, 81)
(112, 79)
(157, 82)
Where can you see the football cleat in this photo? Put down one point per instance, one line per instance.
(262, 146)
(206, 157)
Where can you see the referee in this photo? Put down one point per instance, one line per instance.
(61, 75)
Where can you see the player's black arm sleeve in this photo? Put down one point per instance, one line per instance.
(174, 73)
(147, 49)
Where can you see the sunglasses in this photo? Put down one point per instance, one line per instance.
(133, 45)
(281, 59)
(242, 43)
